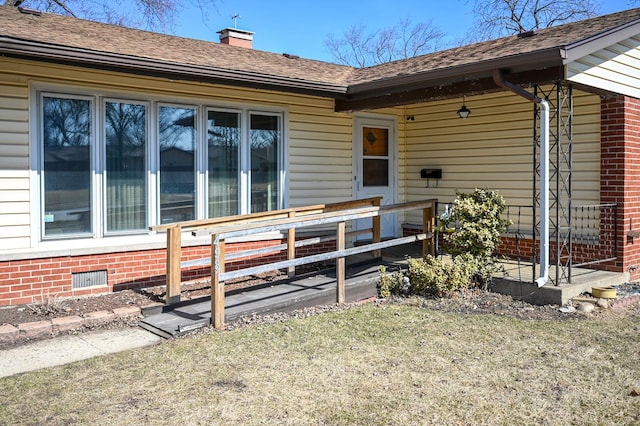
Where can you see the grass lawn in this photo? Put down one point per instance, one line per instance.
(399, 364)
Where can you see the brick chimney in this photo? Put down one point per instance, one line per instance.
(236, 37)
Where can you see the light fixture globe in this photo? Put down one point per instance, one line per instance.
(464, 112)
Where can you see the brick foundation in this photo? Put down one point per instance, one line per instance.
(524, 248)
(37, 280)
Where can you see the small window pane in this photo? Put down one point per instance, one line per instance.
(265, 136)
(177, 164)
(376, 172)
(375, 142)
(66, 129)
(125, 132)
(223, 134)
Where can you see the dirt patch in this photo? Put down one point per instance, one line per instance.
(64, 307)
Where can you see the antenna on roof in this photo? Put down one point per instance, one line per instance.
(235, 18)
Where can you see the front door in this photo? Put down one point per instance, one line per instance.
(375, 168)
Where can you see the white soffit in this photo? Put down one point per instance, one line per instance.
(615, 68)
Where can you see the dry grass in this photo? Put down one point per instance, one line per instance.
(372, 364)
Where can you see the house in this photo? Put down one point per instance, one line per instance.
(105, 131)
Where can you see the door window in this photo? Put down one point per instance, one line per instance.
(375, 156)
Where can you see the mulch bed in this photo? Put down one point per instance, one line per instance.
(63, 307)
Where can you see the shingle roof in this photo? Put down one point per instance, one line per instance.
(51, 36)
(548, 39)
(51, 30)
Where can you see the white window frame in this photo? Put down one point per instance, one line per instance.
(98, 99)
(39, 161)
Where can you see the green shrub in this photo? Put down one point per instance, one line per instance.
(472, 229)
(477, 222)
(478, 216)
(439, 277)
(392, 283)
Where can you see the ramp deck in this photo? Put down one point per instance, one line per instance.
(318, 288)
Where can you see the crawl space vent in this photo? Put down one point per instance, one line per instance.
(89, 279)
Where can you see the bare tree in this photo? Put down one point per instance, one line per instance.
(498, 18)
(360, 48)
(150, 14)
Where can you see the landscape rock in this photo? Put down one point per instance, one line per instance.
(586, 307)
(127, 311)
(66, 323)
(35, 330)
(8, 333)
(98, 318)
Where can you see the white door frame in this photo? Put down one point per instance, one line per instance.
(390, 194)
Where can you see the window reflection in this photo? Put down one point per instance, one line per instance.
(126, 197)
(265, 135)
(66, 128)
(223, 134)
(177, 164)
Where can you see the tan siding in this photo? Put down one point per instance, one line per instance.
(14, 196)
(139, 86)
(14, 232)
(494, 148)
(491, 149)
(14, 162)
(616, 68)
(320, 164)
(9, 207)
(319, 139)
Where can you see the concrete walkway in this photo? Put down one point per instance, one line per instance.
(66, 349)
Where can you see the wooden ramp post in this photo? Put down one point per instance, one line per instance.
(340, 263)
(375, 225)
(174, 243)
(217, 287)
(428, 226)
(291, 247)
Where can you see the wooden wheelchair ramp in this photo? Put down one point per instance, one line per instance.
(314, 289)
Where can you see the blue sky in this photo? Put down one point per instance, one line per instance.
(300, 27)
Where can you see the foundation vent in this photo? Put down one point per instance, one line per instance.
(89, 279)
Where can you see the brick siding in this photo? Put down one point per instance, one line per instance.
(37, 280)
(620, 174)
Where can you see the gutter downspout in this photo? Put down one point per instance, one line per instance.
(543, 278)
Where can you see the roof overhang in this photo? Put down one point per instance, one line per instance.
(25, 49)
(464, 78)
(540, 67)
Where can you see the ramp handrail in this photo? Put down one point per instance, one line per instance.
(174, 235)
(339, 214)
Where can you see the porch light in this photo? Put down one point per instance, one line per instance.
(463, 112)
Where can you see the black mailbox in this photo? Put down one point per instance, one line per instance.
(431, 173)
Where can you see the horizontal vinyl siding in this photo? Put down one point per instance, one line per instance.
(319, 150)
(319, 147)
(493, 149)
(319, 162)
(616, 68)
(14, 162)
(586, 149)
